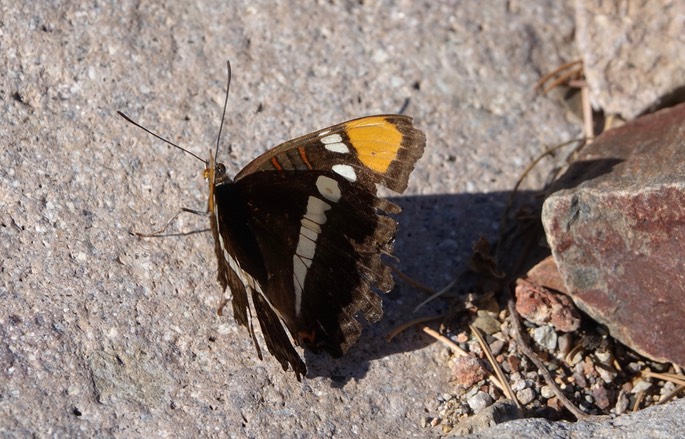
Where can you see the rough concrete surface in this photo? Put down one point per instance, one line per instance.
(104, 334)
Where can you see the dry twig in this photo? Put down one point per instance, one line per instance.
(446, 341)
(672, 377)
(452, 345)
(528, 352)
(436, 295)
(561, 68)
(495, 366)
(404, 326)
(416, 284)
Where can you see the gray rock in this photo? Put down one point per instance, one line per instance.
(525, 396)
(479, 401)
(500, 412)
(486, 322)
(632, 52)
(546, 392)
(658, 422)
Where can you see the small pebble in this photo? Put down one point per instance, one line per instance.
(622, 403)
(496, 347)
(604, 357)
(634, 367)
(667, 388)
(576, 358)
(532, 375)
(467, 371)
(525, 396)
(479, 401)
(555, 403)
(486, 322)
(601, 397)
(546, 392)
(564, 343)
(641, 386)
(545, 337)
(607, 373)
(520, 385)
(514, 363)
(584, 407)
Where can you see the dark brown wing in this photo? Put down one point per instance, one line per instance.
(322, 272)
(302, 230)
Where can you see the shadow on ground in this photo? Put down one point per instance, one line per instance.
(434, 242)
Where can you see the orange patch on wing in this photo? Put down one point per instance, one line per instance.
(277, 165)
(303, 156)
(376, 141)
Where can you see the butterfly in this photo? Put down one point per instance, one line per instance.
(301, 233)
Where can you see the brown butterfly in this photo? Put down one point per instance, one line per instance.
(301, 231)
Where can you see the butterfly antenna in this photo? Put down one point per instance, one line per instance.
(223, 114)
(129, 120)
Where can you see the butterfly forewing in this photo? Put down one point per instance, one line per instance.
(379, 149)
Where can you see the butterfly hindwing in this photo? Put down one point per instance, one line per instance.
(325, 259)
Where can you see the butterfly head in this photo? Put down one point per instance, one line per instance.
(220, 173)
(214, 173)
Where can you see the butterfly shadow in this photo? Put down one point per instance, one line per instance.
(433, 243)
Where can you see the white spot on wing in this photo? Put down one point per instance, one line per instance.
(299, 273)
(316, 209)
(329, 188)
(334, 143)
(345, 171)
(340, 148)
(333, 138)
(324, 132)
(311, 225)
(309, 232)
(305, 247)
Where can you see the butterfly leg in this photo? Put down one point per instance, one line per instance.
(158, 233)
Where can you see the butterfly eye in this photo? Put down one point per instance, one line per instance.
(220, 170)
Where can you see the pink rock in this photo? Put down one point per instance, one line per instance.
(467, 371)
(617, 233)
(541, 306)
(601, 396)
(546, 274)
